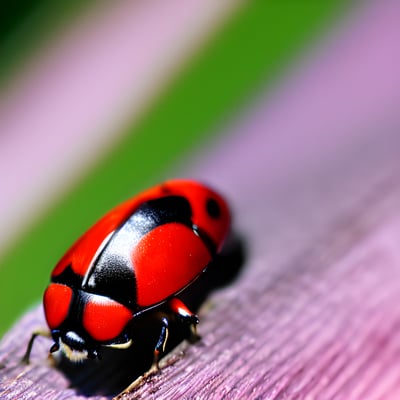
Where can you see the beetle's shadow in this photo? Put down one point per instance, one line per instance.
(119, 368)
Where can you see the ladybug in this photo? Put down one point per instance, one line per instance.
(136, 258)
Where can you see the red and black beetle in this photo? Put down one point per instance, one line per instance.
(137, 257)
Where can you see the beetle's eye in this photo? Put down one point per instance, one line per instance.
(213, 208)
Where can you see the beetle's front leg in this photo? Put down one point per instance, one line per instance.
(35, 334)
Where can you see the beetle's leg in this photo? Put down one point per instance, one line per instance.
(183, 314)
(158, 351)
(35, 334)
(160, 346)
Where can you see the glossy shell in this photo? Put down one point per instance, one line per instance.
(141, 253)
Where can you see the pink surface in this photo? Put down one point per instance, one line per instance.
(313, 176)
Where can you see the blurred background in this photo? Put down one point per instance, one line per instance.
(101, 99)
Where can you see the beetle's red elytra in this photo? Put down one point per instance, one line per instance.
(139, 256)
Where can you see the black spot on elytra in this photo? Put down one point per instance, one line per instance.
(163, 211)
(114, 278)
(213, 208)
(68, 277)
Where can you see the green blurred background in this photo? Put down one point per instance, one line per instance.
(247, 53)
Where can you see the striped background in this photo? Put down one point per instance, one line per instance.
(99, 101)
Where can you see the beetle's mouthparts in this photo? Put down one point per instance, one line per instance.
(73, 346)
